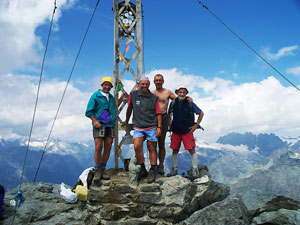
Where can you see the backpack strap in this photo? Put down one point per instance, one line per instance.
(192, 115)
(171, 107)
(170, 112)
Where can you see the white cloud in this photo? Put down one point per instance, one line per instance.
(294, 71)
(266, 106)
(285, 51)
(20, 47)
(18, 94)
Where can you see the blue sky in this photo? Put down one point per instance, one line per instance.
(184, 36)
(237, 91)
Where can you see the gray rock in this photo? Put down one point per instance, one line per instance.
(282, 216)
(174, 190)
(134, 170)
(43, 205)
(280, 206)
(169, 200)
(150, 187)
(147, 197)
(231, 211)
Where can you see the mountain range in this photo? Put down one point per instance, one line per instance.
(263, 162)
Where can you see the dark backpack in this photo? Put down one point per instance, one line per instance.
(192, 114)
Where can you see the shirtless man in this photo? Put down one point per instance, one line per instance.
(163, 95)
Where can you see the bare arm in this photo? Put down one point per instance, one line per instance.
(195, 126)
(200, 116)
(121, 99)
(128, 114)
(95, 122)
(172, 96)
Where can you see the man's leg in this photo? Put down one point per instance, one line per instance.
(195, 171)
(161, 152)
(138, 148)
(105, 156)
(97, 157)
(151, 145)
(98, 150)
(189, 144)
(194, 158)
(174, 170)
(175, 145)
(107, 148)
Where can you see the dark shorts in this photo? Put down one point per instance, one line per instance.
(164, 123)
(103, 132)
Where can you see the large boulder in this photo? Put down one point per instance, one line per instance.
(279, 210)
(231, 211)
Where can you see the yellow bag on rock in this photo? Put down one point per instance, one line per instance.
(81, 192)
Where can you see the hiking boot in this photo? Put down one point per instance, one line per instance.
(173, 172)
(161, 170)
(104, 174)
(97, 175)
(143, 173)
(195, 172)
(152, 175)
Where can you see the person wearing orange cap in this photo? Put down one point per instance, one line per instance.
(101, 110)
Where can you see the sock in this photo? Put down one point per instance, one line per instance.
(153, 167)
(97, 166)
(142, 165)
(194, 160)
(103, 165)
(174, 160)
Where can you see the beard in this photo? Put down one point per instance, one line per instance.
(181, 98)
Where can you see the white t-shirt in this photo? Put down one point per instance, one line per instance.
(106, 95)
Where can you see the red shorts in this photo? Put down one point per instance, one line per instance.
(187, 138)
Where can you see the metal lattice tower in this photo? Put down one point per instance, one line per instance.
(127, 29)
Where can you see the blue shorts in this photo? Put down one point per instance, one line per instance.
(149, 134)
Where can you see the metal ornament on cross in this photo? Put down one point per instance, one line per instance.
(127, 30)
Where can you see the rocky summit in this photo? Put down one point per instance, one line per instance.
(169, 200)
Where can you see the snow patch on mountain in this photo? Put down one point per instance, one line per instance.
(290, 140)
(243, 149)
(295, 156)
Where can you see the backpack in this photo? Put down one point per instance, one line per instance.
(192, 114)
